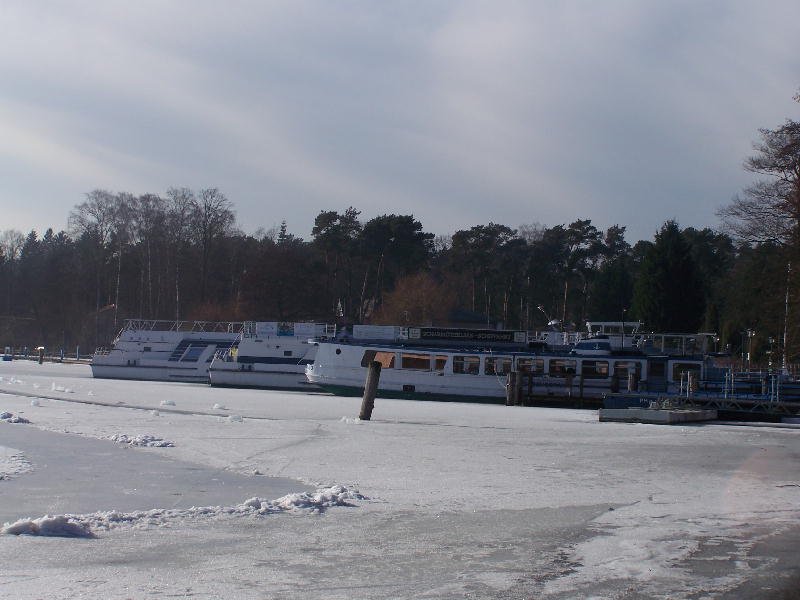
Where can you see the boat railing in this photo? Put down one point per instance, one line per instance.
(677, 344)
(186, 326)
(225, 354)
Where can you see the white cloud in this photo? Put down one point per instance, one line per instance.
(457, 112)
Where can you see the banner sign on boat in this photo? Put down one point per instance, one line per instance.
(308, 330)
(266, 328)
(467, 335)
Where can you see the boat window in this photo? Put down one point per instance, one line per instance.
(147, 349)
(467, 365)
(679, 368)
(497, 365)
(439, 362)
(287, 352)
(385, 358)
(562, 367)
(530, 365)
(657, 369)
(623, 367)
(192, 354)
(417, 362)
(594, 369)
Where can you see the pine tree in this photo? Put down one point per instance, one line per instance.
(668, 294)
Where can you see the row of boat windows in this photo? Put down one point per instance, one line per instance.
(502, 365)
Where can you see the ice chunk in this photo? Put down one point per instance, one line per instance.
(58, 526)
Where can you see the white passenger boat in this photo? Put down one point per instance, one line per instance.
(164, 350)
(463, 365)
(269, 355)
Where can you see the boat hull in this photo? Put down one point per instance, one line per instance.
(470, 374)
(394, 394)
(232, 374)
(144, 373)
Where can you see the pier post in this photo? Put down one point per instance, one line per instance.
(512, 389)
(691, 383)
(632, 382)
(370, 390)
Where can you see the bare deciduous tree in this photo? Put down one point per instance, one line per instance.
(768, 211)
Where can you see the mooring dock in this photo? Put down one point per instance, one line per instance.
(755, 408)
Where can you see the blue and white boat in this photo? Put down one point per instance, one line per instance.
(164, 350)
(269, 355)
(463, 365)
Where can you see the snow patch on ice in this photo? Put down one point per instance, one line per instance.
(350, 420)
(337, 495)
(83, 525)
(12, 418)
(13, 462)
(34, 402)
(167, 403)
(234, 418)
(58, 526)
(142, 441)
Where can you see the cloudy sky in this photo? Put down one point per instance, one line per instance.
(458, 112)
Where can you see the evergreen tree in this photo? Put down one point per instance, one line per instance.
(668, 295)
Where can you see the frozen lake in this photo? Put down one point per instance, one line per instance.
(458, 500)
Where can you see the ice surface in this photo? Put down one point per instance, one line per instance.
(464, 500)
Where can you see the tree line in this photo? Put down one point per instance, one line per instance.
(181, 256)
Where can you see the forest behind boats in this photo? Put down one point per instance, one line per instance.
(182, 255)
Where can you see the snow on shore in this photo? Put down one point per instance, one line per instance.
(86, 525)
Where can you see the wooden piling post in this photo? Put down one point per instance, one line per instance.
(512, 389)
(370, 390)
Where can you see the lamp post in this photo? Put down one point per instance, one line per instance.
(769, 354)
(624, 310)
(550, 322)
(743, 334)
